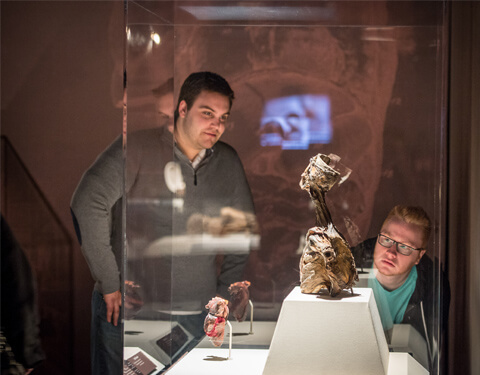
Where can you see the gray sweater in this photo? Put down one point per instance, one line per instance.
(97, 206)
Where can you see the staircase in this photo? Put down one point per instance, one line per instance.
(48, 247)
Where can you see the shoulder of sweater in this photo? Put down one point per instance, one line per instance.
(221, 146)
(149, 135)
(149, 142)
(428, 268)
(426, 263)
(138, 140)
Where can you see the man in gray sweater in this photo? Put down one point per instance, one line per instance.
(169, 183)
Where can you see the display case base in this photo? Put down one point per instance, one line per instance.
(328, 335)
(213, 361)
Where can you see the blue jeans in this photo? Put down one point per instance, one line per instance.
(106, 343)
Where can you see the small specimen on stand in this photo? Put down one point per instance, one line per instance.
(133, 300)
(214, 325)
(230, 221)
(327, 261)
(239, 299)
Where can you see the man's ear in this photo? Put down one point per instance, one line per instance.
(182, 108)
(422, 252)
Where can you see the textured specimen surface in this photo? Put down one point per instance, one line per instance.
(239, 296)
(214, 325)
(327, 261)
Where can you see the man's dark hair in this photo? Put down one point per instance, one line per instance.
(203, 81)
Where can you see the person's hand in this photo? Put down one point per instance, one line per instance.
(28, 371)
(133, 300)
(113, 302)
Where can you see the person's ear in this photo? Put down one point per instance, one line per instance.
(422, 252)
(182, 108)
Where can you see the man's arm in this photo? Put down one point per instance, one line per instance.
(242, 195)
(113, 302)
(99, 189)
(233, 265)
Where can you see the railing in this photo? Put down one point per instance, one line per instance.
(48, 247)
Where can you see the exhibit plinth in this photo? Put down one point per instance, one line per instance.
(404, 364)
(321, 334)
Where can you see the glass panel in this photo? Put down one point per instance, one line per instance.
(362, 80)
(152, 340)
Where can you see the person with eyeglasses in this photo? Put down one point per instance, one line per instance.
(404, 279)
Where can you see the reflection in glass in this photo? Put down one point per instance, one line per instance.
(295, 122)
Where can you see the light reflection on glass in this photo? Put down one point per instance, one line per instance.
(155, 37)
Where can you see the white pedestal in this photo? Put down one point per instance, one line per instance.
(406, 339)
(404, 364)
(213, 362)
(320, 334)
(314, 335)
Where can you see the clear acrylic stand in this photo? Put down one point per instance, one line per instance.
(230, 340)
(251, 317)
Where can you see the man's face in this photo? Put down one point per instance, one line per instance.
(387, 260)
(165, 109)
(203, 124)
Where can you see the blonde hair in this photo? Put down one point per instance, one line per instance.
(412, 215)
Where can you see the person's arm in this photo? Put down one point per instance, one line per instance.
(113, 301)
(233, 265)
(231, 271)
(99, 189)
(242, 198)
(19, 311)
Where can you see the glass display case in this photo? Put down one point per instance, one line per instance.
(364, 80)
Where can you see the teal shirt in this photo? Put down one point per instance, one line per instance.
(392, 304)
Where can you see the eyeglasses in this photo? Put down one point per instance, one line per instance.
(401, 248)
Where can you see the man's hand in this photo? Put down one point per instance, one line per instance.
(113, 302)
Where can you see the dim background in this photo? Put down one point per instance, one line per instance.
(61, 90)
